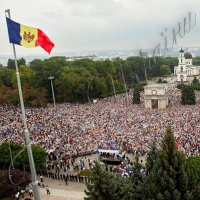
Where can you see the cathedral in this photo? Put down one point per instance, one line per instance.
(185, 68)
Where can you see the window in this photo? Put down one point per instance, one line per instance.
(181, 68)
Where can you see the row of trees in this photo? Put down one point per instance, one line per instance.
(168, 175)
(80, 80)
(77, 81)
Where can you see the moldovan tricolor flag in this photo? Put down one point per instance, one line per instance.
(28, 36)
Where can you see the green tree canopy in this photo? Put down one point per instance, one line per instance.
(11, 63)
(170, 177)
(195, 81)
(6, 76)
(17, 153)
(165, 70)
(188, 96)
(101, 187)
(194, 163)
(123, 74)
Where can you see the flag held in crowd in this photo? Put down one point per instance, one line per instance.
(9, 131)
(28, 36)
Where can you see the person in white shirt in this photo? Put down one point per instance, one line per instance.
(22, 193)
(30, 192)
(47, 189)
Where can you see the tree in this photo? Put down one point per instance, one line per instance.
(6, 76)
(194, 163)
(39, 157)
(11, 182)
(138, 179)
(102, 185)
(188, 95)
(4, 95)
(5, 156)
(165, 70)
(11, 63)
(151, 158)
(21, 61)
(34, 96)
(26, 74)
(125, 189)
(170, 177)
(195, 81)
(136, 96)
(20, 156)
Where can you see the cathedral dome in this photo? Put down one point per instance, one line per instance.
(188, 55)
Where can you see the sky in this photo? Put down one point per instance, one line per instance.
(90, 25)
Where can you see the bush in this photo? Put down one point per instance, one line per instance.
(196, 87)
(85, 173)
(181, 86)
(140, 86)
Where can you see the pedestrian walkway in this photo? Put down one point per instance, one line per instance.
(60, 191)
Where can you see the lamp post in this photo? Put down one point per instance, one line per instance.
(51, 79)
(127, 100)
(143, 55)
(112, 85)
(89, 88)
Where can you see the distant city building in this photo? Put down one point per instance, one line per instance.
(91, 57)
(185, 68)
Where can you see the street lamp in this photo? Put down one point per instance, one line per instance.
(143, 55)
(127, 98)
(112, 84)
(51, 79)
(89, 88)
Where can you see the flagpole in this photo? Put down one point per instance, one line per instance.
(27, 137)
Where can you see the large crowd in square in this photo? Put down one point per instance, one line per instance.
(74, 129)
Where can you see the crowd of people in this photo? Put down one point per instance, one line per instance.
(71, 129)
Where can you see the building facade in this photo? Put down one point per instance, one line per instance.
(185, 68)
(155, 96)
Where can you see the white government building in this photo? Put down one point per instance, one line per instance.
(156, 95)
(185, 68)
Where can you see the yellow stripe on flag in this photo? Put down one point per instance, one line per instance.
(29, 35)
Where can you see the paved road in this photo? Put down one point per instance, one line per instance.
(60, 191)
